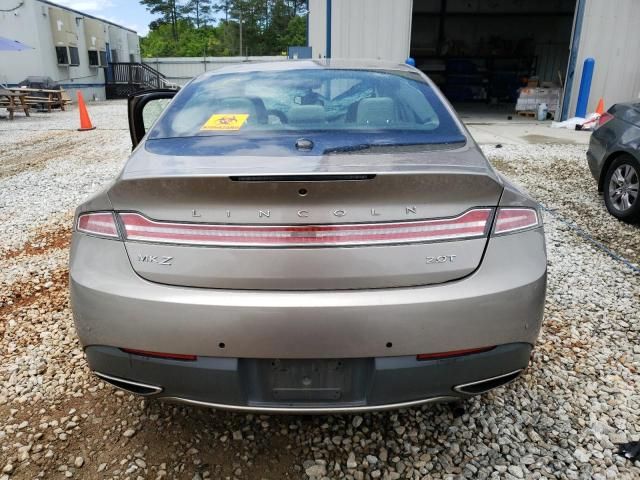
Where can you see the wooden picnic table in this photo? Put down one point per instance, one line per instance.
(53, 97)
(8, 101)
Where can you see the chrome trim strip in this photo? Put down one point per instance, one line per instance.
(109, 379)
(315, 410)
(135, 233)
(459, 388)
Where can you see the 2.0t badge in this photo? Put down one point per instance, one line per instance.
(442, 259)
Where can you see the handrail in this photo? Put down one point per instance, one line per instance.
(138, 74)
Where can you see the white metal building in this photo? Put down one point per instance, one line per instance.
(71, 47)
(479, 49)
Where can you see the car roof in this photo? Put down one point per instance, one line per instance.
(328, 63)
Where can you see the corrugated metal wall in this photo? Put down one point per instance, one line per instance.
(552, 61)
(611, 35)
(379, 29)
(318, 28)
(382, 29)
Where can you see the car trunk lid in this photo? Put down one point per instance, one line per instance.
(334, 222)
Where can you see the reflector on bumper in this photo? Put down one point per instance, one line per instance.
(472, 224)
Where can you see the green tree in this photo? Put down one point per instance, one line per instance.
(199, 11)
(169, 11)
(194, 42)
(296, 33)
(263, 27)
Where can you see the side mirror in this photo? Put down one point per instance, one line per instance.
(144, 108)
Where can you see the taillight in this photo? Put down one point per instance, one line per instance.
(511, 220)
(453, 353)
(166, 356)
(604, 118)
(471, 224)
(102, 224)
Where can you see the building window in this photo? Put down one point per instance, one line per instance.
(94, 60)
(62, 55)
(103, 59)
(114, 56)
(74, 56)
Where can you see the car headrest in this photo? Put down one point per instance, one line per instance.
(376, 111)
(250, 105)
(307, 114)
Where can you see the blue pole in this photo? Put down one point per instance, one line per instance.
(585, 87)
(328, 52)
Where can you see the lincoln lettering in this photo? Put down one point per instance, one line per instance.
(408, 211)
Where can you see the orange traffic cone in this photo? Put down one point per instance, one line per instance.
(85, 121)
(600, 107)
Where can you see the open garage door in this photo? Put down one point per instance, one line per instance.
(482, 52)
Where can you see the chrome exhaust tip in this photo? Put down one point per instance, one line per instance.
(482, 386)
(136, 388)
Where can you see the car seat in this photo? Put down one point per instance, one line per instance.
(376, 111)
(254, 106)
(306, 114)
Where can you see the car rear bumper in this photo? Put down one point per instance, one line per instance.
(501, 303)
(378, 333)
(296, 386)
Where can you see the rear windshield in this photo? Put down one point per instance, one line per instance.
(380, 104)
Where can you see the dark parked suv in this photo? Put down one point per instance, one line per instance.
(614, 160)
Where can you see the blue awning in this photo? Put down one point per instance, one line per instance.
(12, 45)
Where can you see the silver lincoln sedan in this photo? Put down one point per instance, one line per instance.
(306, 236)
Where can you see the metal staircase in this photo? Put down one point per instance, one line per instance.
(125, 78)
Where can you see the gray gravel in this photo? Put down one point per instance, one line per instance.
(49, 168)
(558, 177)
(562, 419)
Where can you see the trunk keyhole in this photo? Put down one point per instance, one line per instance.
(303, 192)
(304, 144)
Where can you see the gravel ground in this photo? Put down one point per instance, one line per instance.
(562, 419)
(558, 177)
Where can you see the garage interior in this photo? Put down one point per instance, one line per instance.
(481, 52)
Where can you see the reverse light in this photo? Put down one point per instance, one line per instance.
(452, 353)
(100, 223)
(470, 224)
(511, 220)
(166, 356)
(604, 118)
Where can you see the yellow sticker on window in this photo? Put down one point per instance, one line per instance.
(225, 121)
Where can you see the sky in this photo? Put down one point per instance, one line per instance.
(128, 13)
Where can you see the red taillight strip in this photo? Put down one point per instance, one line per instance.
(513, 219)
(98, 223)
(604, 118)
(168, 356)
(453, 353)
(470, 224)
